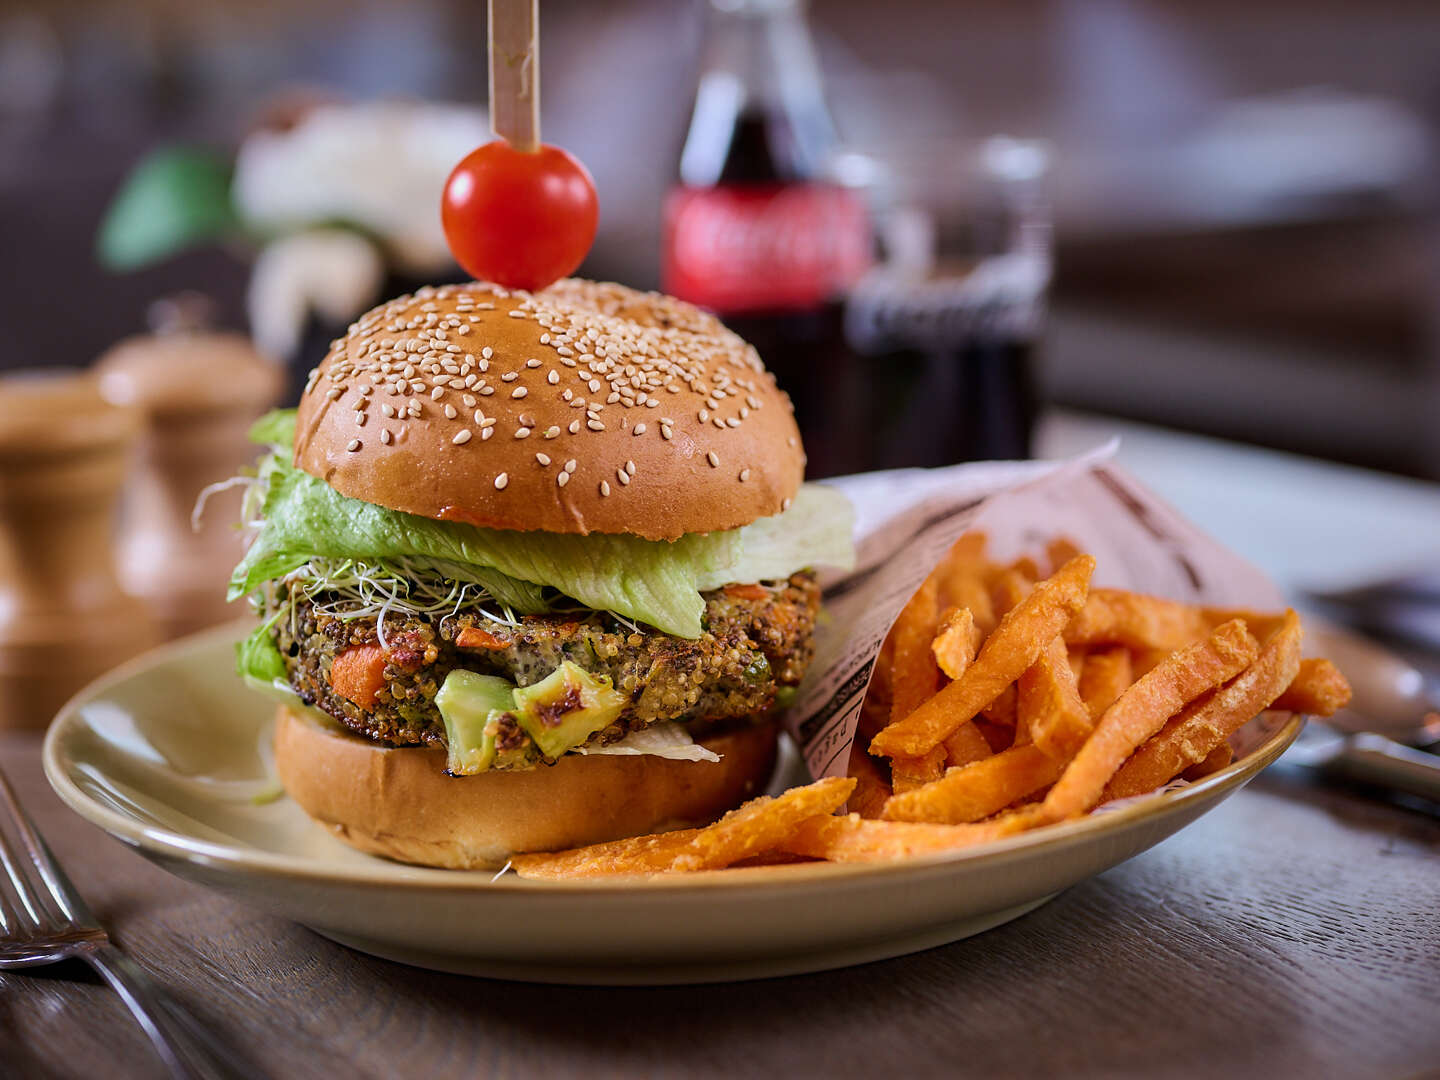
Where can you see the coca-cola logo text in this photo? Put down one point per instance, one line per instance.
(767, 247)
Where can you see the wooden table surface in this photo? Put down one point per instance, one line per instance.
(1295, 931)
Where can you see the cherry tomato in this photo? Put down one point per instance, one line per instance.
(522, 220)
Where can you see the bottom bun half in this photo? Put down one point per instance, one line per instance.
(398, 802)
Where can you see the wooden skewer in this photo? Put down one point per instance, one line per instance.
(515, 72)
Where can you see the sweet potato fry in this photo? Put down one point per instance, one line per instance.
(871, 787)
(978, 790)
(853, 839)
(761, 824)
(1007, 652)
(875, 709)
(1027, 568)
(758, 826)
(907, 773)
(913, 672)
(1076, 658)
(1048, 705)
(1009, 588)
(1142, 711)
(637, 855)
(1001, 712)
(1144, 661)
(1059, 551)
(1118, 617)
(1214, 761)
(956, 642)
(1318, 689)
(1107, 675)
(967, 743)
(967, 589)
(1190, 736)
(1263, 624)
(997, 736)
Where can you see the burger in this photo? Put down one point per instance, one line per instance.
(534, 570)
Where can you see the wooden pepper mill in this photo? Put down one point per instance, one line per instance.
(198, 392)
(63, 616)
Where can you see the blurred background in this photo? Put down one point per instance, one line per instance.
(1241, 191)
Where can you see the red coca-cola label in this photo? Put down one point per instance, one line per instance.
(763, 247)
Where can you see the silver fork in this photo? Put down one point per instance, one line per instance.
(43, 920)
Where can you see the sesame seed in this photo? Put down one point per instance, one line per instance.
(469, 400)
(604, 487)
(522, 433)
(594, 385)
(486, 391)
(543, 459)
(450, 413)
(732, 422)
(487, 352)
(665, 432)
(574, 427)
(485, 433)
(532, 363)
(553, 377)
(519, 392)
(744, 475)
(488, 422)
(510, 376)
(385, 436)
(595, 425)
(552, 432)
(622, 476)
(387, 411)
(333, 393)
(704, 415)
(461, 437)
(570, 465)
(353, 445)
(714, 459)
(359, 419)
(501, 481)
(639, 429)
(630, 467)
(437, 393)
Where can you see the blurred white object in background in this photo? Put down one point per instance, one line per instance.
(377, 167)
(335, 273)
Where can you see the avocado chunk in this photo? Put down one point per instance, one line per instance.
(566, 707)
(469, 704)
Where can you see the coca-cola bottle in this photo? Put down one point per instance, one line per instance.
(756, 232)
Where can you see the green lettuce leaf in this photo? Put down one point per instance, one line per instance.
(258, 661)
(276, 428)
(652, 581)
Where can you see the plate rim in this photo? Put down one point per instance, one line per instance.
(158, 841)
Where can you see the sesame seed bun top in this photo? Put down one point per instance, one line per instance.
(586, 407)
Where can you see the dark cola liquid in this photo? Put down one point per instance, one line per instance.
(828, 383)
(975, 402)
(949, 361)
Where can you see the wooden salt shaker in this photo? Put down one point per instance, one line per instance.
(63, 617)
(199, 392)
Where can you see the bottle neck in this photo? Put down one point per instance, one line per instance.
(760, 113)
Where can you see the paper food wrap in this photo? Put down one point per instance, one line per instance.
(906, 520)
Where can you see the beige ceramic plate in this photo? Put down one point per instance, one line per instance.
(168, 754)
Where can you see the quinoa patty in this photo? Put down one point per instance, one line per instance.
(757, 639)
